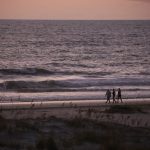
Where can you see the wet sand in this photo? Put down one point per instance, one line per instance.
(67, 103)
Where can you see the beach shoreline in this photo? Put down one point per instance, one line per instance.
(67, 103)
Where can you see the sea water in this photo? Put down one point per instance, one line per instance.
(73, 60)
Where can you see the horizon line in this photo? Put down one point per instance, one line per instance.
(18, 19)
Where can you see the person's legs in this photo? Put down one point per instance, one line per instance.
(118, 99)
(121, 99)
(114, 101)
(107, 100)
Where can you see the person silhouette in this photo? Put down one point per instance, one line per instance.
(119, 95)
(114, 96)
(108, 95)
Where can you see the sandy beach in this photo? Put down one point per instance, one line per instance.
(98, 110)
(65, 103)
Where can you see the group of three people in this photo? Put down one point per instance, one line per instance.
(119, 97)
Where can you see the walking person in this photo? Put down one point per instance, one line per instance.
(114, 96)
(119, 95)
(108, 95)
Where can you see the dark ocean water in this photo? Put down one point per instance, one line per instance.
(74, 59)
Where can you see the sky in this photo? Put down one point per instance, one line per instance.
(75, 9)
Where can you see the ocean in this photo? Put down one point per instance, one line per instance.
(73, 60)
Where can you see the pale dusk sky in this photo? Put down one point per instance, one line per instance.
(75, 9)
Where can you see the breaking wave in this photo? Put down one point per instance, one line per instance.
(40, 71)
(71, 84)
(25, 71)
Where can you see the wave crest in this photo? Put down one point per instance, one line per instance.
(69, 84)
(24, 71)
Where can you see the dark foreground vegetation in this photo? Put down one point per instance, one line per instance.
(70, 134)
